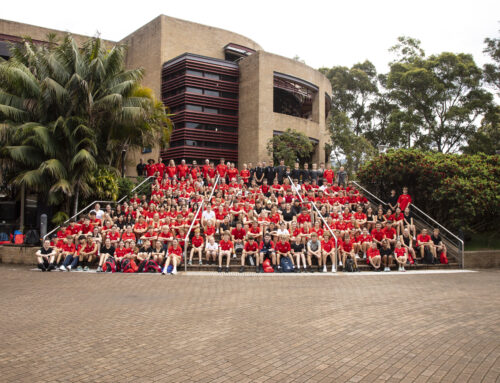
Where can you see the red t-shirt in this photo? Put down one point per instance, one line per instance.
(232, 173)
(119, 253)
(245, 174)
(225, 245)
(378, 235)
(70, 248)
(171, 170)
(197, 241)
(404, 200)
(329, 175)
(400, 252)
(177, 251)
(389, 233)
(160, 167)
(128, 236)
(222, 170)
(150, 169)
(283, 247)
(251, 246)
(238, 234)
(347, 246)
(423, 238)
(326, 245)
(182, 171)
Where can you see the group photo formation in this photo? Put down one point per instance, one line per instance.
(271, 219)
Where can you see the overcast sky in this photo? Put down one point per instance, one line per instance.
(323, 33)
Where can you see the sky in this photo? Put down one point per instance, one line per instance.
(322, 33)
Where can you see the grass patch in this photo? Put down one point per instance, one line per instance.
(483, 241)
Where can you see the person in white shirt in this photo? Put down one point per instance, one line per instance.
(207, 215)
(98, 212)
(283, 231)
(211, 250)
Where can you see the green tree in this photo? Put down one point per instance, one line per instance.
(290, 146)
(487, 139)
(439, 97)
(64, 110)
(492, 70)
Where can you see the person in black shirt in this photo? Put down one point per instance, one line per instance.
(305, 173)
(259, 174)
(299, 253)
(393, 200)
(251, 169)
(438, 249)
(269, 173)
(386, 254)
(107, 250)
(321, 170)
(46, 256)
(288, 215)
(295, 173)
(141, 168)
(145, 251)
(281, 171)
(296, 208)
(314, 173)
(342, 177)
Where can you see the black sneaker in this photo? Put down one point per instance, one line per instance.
(278, 269)
(311, 270)
(227, 270)
(219, 269)
(242, 269)
(261, 269)
(257, 269)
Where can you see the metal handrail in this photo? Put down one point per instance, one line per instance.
(462, 250)
(186, 238)
(324, 222)
(93, 203)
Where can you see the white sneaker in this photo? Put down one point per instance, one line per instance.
(364, 255)
(403, 269)
(333, 269)
(234, 256)
(388, 269)
(324, 269)
(62, 268)
(357, 256)
(174, 271)
(69, 268)
(340, 263)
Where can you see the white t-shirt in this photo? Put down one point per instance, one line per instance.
(208, 215)
(211, 247)
(282, 232)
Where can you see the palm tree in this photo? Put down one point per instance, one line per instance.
(65, 110)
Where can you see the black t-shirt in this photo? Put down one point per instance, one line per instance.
(295, 174)
(406, 240)
(110, 251)
(384, 251)
(46, 252)
(296, 209)
(408, 216)
(281, 170)
(258, 209)
(297, 248)
(306, 175)
(314, 174)
(144, 249)
(288, 216)
(436, 240)
(225, 226)
(393, 200)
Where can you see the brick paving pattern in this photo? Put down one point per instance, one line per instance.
(78, 327)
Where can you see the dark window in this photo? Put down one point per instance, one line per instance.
(229, 95)
(191, 89)
(213, 76)
(194, 72)
(196, 108)
(211, 110)
(225, 77)
(228, 112)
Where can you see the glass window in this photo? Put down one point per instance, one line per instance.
(225, 77)
(212, 75)
(192, 125)
(196, 108)
(228, 112)
(191, 143)
(211, 93)
(229, 95)
(191, 89)
(210, 110)
(194, 72)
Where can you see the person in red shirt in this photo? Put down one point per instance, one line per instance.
(363, 242)
(212, 171)
(171, 170)
(232, 173)
(87, 253)
(401, 256)
(238, 235)
(195, 171)
(283, 249)
(69, 255)
(225, 250)
(160, 168)
(390, 233)
(128, 235)
(204, 168)
(378, 234)
(373, 257)
(329, 174)
(245, 174)
(328, 250)
(222, 168)
(150, 168)
(348, 250)
(424, 242)
(174, 257)
(249, 250)
(196, 247)
(404, 200)
(140, 227)
(182, 170)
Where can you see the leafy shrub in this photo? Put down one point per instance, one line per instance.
(461, 191)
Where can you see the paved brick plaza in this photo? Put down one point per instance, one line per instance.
(71, 327)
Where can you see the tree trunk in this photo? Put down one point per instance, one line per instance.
(77, 194)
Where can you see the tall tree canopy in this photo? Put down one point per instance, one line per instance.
(66, 110)
(290, 146)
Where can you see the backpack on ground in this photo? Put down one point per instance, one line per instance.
(349, 264)
(4, 238)
(142, 266)
(286, 265)
(32, 238)
(19, 239)
(443, 258)
(109, 266)
(129, 266)
(152, 267)
(428, 258)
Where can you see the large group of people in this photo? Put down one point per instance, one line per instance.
(272, 218)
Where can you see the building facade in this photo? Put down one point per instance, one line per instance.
(229, 96)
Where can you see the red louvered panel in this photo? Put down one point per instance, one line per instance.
(198, 152)
(206, 118)
(198, 99)
(199, 82)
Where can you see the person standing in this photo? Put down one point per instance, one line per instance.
(269, 174)
(160, 167)
(295, 173)
(342, 178)
(141, 168)
(259, 173)
(150, 168)
(321, 171)
(306, 173)
(281, 171)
